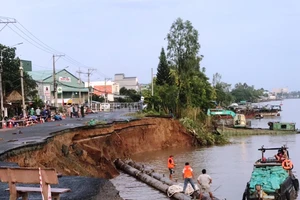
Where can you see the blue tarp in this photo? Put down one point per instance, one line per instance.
(269, 178)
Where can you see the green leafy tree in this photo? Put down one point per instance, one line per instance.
(223, 95)
(123, 91)
(97, 98)
(11, 75)
(133, 95)
(244, 92)
(163, 75)
(183, 49)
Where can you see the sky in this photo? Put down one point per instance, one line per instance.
(256, 42)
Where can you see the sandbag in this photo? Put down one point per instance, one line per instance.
(269, 178)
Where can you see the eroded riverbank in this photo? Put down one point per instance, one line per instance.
(90, 151)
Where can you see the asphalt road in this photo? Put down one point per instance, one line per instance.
(82, 188)
(11, 138)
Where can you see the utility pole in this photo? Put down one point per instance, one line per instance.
(79, 72)
(89, 74)
(54, 81)
(151, 81)
(22, 89)
(89, 88)
(105, 90)
(6, 22)
(1, 90)
(106, 79)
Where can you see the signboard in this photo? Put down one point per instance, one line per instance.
(64, 79)
(47, 92)
(59, 90)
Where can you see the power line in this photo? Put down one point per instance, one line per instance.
(38, 43)
(67, 58)
(28, 40)
(35, 41)
(38, 39)
(28, 36)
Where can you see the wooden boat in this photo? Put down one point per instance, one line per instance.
(259, 116)
(274, 128)
(271, 178)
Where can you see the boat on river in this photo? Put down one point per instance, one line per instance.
(272, 178)
(274, 128)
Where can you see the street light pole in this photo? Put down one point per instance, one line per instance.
(22, 90)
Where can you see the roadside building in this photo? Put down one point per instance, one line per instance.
(69, 88)
(280, 90)
(107, 89)
(127, 82)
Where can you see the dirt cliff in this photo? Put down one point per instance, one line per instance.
(91, 150)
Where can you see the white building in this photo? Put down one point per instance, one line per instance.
(127, 82)
(280, 90)
(105, 88)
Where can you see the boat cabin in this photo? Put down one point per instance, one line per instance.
(281, 126)
(270, 161)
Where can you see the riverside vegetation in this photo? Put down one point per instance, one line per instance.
(182, 89)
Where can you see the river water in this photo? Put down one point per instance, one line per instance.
(230, 166)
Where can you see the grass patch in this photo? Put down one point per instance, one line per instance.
(202, 132)
(137, 115)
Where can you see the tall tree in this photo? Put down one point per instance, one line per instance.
(216, 79)
(223, 95)
(163, 75)
(183, 49)
(11, 75)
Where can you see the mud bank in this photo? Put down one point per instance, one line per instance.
(90, 151)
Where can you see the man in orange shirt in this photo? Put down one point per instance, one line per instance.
(187, 174)
(171, 166)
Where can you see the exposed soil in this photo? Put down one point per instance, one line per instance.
(90, 151)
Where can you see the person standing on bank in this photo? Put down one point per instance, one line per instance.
(171, 166)
(187, 174)
(204, 181)
(82, 111)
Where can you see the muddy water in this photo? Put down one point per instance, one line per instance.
(230, 166)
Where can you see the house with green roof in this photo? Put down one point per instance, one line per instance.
(69, 88)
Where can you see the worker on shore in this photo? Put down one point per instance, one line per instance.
(204, 181)
(171, 166)
(187, 174)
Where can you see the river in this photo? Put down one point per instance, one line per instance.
(230, 166)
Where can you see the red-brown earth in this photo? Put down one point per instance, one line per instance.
(91, 150)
